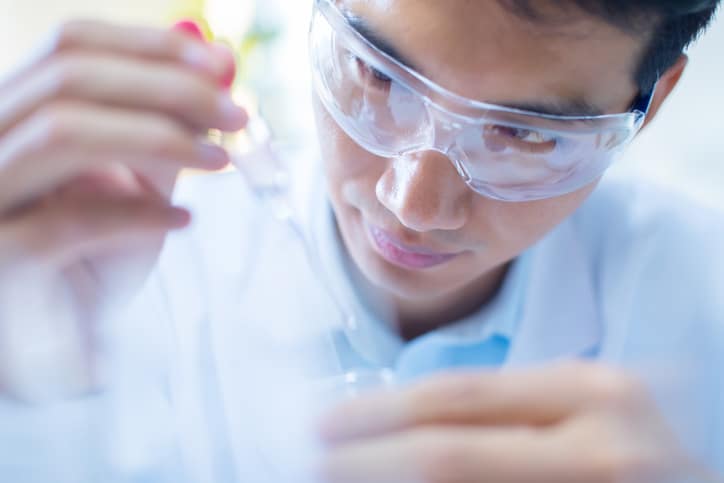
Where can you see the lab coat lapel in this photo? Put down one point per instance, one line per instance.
(559, 318)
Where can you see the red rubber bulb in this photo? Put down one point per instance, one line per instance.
(190, 27)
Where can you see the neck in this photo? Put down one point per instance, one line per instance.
(416, 317)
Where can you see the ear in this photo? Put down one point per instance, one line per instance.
(665, 86)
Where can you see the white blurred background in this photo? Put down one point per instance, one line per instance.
(683, 149)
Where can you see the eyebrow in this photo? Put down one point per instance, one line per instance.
(563, 107)
(375, 38)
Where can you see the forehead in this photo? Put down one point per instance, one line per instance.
(484, 51)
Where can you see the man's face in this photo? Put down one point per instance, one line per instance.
(411, 224)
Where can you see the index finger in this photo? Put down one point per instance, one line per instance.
(536, 397)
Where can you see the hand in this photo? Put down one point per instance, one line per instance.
(566, 423)
(93, 132)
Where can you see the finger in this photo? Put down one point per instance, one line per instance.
(65, 139)
(142, 42)
(227, 78)
(114, 180)
(461, 455)
(540, 397)
(124, 82)
(55, 234)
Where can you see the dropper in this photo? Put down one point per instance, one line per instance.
(254, 155)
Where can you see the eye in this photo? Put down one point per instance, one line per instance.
(525, 135)
(499, 137)
(370, 75)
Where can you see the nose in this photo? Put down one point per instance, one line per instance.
(424, 191)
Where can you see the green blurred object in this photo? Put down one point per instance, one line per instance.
(258, 36)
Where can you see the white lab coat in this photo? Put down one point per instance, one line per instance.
(633, 279)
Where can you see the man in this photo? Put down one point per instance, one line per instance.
(462, 143)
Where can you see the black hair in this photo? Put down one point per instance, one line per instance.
(669, 26)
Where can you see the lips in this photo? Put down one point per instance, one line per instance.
(404, 256)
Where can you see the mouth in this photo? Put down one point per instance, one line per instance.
(397, 253)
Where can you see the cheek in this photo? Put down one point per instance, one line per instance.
(516, 226)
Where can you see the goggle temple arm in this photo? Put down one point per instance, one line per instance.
(643, 101)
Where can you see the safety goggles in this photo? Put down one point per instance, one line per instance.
(502, 153)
